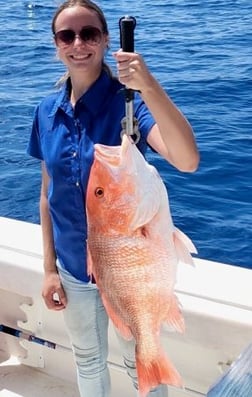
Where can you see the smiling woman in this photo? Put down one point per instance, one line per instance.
(87, 110)
(81, 38)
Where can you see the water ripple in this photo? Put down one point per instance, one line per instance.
(201, 53)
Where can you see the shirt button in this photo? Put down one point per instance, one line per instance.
(74, 154)
(77, 184)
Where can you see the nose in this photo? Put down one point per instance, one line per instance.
(77, 40)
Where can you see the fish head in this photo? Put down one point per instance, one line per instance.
(110, 192)
(123, 191)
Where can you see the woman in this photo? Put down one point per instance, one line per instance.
(89, 109)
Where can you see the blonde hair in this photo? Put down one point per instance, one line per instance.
(90, 5)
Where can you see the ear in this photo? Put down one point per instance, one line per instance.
(107, 42)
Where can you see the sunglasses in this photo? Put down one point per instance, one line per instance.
(88, 34)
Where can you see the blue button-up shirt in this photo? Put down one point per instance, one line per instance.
(63, 138)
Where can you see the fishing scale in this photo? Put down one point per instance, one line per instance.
(129, 123)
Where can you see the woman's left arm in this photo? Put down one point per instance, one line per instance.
(172, 135)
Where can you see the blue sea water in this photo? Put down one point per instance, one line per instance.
(201, 52)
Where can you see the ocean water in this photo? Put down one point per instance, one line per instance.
(201, 52)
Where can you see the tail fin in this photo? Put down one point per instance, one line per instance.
(156, 372)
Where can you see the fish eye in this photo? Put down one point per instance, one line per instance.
(99, 192)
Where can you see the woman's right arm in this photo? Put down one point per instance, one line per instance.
(52, 290)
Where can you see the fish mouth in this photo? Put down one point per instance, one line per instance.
(108, 155)
(113, 156)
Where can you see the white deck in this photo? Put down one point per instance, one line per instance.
(217, 305)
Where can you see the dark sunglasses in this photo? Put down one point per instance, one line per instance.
(88, 34)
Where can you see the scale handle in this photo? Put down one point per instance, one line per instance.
(127, 26)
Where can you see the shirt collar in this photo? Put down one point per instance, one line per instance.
(92, 99)
(96, 94)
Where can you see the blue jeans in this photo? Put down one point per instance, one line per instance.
(87, 324)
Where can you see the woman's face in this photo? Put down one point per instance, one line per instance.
(85, 55)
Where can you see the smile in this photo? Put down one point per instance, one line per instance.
(80, 57)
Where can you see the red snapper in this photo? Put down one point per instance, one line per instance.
(134, 250)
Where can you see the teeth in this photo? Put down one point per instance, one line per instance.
(80, 57)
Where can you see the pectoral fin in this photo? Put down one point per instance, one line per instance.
(184, 247)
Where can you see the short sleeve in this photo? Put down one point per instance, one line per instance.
(144, 117)
(34, 145)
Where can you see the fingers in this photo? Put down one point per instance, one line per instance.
(124, 64)
(53, 293)
(55, 300)
(128, 64)
(125, 60)
(60, 297)
(132, 70)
